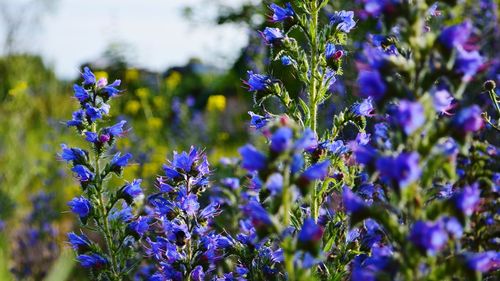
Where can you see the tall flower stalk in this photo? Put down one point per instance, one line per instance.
(97, 207)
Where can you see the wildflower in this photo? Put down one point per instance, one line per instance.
(353, 204)
(331, 52)
(453, 227)
(309, 237)
(197, 274)
(252, 159)
(468, 63)
(456, 35)
(281, 14)
(140, 226)
(402, 169)
(317, 171)
(80, 93)
(273, 36)
(81, 207)
(77, 121)
(468, 200)
(83, 173)
(371, 84)
(118, 162)
(259, 217)
(189, 204)
(308, 141)
(216, 103)
(132, 190)
(344, 20)
(364, 108)
(258, 121)
(442, 101)
(286, 61)
(281, 140)
(76, 155)
(274, 183)
(484, 262)
(232, 183)
(410, 116)
(92, 261)
(79, 242)
(258, 82)
(469, 119)
(111, 89)
(88, 76)
(428, 237)
(336, 147)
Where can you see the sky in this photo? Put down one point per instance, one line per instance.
(154, 31)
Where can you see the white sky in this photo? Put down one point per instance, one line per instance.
(80, 30)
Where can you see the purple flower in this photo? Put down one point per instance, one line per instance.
(111, 89)
(330, 50)
(133, 189)
(410, 116)
(468, 63)
(88, 76)
(140, 226)
(484, 262)
(428, 237)
(95, 113)
(442, 101)
(310, 235)
(344, 20)
(258, 216)
(76, 155)
(233, 183)
(190, 204)
(80, 206)
(80, 93)
(281, 140)
(184, 161)
(257, 82)
(78, 242)
(281, 14)
(197, 274)
(77, 121)
(252, 159)
(468, 199)
(119, 161)
(272, 36)
(115, 130)
(83, 173)
(318, 171)
(92, 261)
(308, 141)
(402, 169)
(352, 202)
(453, 227)
(365, 108)
(371, 84)
(274, 183)
(91, 137)
(258, 121)
(469, 119)
(456, 35)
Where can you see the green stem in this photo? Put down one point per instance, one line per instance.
(313, 99)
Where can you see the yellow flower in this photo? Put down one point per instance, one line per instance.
(173, 80)
(19, 88)
(216, 103)
(132, 107)
(159, 102)
(142, 92)
(154, 123)
(131, 74)
(101, 74)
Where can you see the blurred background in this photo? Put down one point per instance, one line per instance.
(181, 63)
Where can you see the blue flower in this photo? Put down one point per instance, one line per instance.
(80, 206)
(402, 169)
(456, 35)
(318, 171)
(76, 155)
(286, 61)
(282, 14)
(92, 112)
(79, 242)
(352, 203)
(78, 118)
(364, 108)
(259, 217)
(197, 274)
(119, 161)
(111, 89)
(115, 130)
(297, 163)
(330, 50)
(344, 20)
(80, 93)
(469, 119)
(442, 100)
(274, 183)
(189, 204)
(233, 183)
(281, 140)
(468, 199)
(428, 237)
(410, 116)
(92, 261)
(483, 262)
(272, 36)
(371, 84)
(310, 236)
(88, 76)
(252, 159)
(308, 141)
(132, 190)
(91, 137)
(468, 63)
(453, 227)
(83, 173)
(140, 226)
(257, 82)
